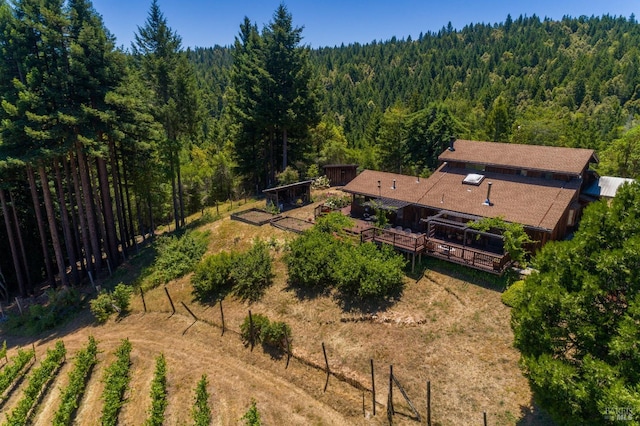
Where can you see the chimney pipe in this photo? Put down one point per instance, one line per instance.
(488, 202)
(452, 139)
(394, 184)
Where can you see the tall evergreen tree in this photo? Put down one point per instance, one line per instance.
(157, 49)
(291, 88)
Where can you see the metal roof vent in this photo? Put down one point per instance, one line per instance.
(473, 179)
(488, 202)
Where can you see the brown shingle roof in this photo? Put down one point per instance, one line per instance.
(525, 200)
(408, 188)
(531, 157)
(528, 201)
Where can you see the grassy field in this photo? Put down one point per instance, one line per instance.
(448, 327)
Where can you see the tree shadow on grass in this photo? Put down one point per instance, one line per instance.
(473, 276)
(354, 304)
(308, 293)
(533, 415)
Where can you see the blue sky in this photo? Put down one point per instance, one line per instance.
(206, 23)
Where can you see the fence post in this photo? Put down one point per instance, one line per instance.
(326, 361)
(390, 404)
(251, 330)
(484, 416)
(173, 308)
(288, 349)
(222, 316)
(144, 304)
(428, 403)
(189, 310)
(373, 388)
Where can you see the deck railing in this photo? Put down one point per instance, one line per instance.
(468, 256)
(402, 240)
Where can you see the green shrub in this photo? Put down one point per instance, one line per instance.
(308, 258)
(273, 334)
(252, 272)
(514, 294)
(101, 307)
(62, 306)
(177, 256)
(382, 271)
(276, 335)
(334, 222)
(246, 275)
(260, 322)
(212, 277)
(316, 259)
(288, 176)
(201, 412)
(122, 297)
(252, 416)
(108, 303)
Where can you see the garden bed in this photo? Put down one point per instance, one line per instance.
(254, 216)
(292, 224)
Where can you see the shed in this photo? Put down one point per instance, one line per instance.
(291, 195)
(340, 174)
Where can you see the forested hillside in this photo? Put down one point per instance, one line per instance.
(98, 146)
(573, 82)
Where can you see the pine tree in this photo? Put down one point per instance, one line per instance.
(157, 50)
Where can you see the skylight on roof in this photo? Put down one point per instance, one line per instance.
(473, 179)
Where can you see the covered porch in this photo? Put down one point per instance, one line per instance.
(449, 237)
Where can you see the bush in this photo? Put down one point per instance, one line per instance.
(101, 307)
(364, 271)
(212, 277)
(334, 222)
(252, 272)
(276, 335)
(260, 322)
(313, 171)
(177, 256)
(321, 182)
(62, 305)
(308, 258)
(273, 334)
(288, 176)
(106, 304)
(337, 201)
(513, 295)
(246, 275)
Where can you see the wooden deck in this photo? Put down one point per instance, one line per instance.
(401, 240)
(469, 256)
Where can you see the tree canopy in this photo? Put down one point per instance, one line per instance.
(576, 325)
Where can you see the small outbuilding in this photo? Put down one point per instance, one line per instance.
(340, 174)
(291, 195)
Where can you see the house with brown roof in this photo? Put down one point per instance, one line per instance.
(536, 186)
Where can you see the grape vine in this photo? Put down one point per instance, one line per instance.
(85, 359)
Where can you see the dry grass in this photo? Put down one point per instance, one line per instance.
(443, 330)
